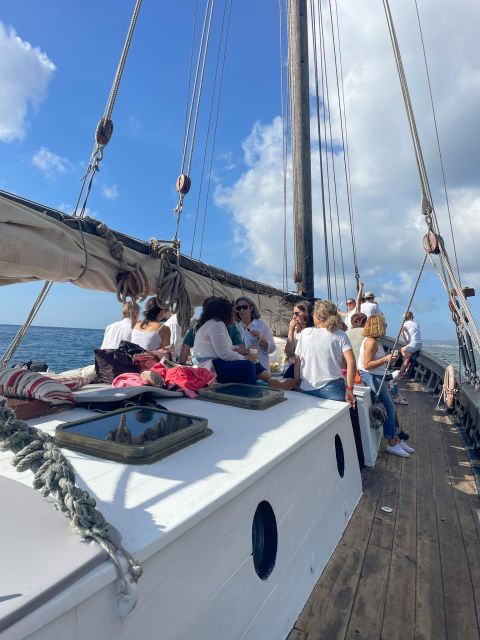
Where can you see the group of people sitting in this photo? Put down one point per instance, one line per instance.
(323, 358)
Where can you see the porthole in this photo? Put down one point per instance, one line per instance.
(340, 456)
(264, 540)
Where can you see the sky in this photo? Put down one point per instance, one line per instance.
(57, 63)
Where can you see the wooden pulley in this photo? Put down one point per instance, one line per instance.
(183, 184)
(431, 242)
(468, 292)
(104, 132)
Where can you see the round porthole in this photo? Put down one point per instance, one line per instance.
(264, 540)
(340, 456)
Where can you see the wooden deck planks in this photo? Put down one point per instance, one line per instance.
(414, 573)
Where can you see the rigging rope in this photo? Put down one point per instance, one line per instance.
(284, 116)
(103, 134)
(321, 30)
(427, 201)
(215, 131)
(208, 128)
(389, 363)
(320, 158)
(36, 450)
(183, 181)
(438, 140)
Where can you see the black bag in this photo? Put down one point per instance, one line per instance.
(110, 363)
(378, 415)
(130, 347)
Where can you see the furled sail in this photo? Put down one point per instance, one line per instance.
(40, 243)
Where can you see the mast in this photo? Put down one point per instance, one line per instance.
(301, 162)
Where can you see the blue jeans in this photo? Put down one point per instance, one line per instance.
(242, 371)
(373, 381)
(333, 390)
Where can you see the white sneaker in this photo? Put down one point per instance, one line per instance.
(397, 450)
(402, 400)
(405, 447)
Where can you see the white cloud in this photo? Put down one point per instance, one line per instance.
(25, 72)
(110, 192)
(385, 186)
(49, 163)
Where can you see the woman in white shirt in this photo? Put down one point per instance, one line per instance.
(256, 334)
(212, 342)
(319, 353)
(371, 364)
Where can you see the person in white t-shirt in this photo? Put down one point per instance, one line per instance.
(369, 307)
(413, 338)
(121, 330)
(319, 353)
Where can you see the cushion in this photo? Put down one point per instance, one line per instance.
(22, 383)
(73, 382)
(110, 363)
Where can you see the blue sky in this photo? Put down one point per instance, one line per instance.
(55, 75)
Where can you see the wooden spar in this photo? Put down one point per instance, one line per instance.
(302, 180)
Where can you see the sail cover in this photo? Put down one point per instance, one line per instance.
(40, 243)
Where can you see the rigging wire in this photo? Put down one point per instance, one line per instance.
(438, 139)
(352, 218)
(332, 153)
(284, 116)
(208, 127)
(342, 130)
(215, 130)
(183, 181)
(289, 67)
(102, 137)
(322, 184)
(192, 49)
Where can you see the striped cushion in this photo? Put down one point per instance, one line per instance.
(22, 383)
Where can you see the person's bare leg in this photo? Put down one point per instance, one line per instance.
(406, 361)
(274, 383)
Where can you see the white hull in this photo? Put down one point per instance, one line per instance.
(201, 582)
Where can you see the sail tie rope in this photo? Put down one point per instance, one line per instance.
(389, 363)
(171, 285)
(35, 450)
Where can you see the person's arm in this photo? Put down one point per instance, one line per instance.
(351, 368)
(369, 353)
(221, 343)
(359, 298)
(264, 337)
(164, 333)
(296, 372)
(290, 344)
(184, 353)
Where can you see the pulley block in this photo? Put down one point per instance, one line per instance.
(468, 292)
(104, 132)
(431, 242)
(183, 184)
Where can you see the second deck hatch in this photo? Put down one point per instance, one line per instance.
(246, 396)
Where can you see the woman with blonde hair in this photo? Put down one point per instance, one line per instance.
(371, 364)
(319, 353)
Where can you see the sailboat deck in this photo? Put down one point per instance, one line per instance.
(413, 573)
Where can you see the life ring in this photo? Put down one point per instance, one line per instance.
(449, 387)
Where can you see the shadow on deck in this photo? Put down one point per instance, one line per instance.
(413, 573)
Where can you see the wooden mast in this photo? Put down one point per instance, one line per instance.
(302, 180)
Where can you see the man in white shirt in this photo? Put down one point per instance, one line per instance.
(370, 307)
(121, 330)
(413, 339)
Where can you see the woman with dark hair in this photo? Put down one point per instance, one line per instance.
(151, 333)
(256, 334)
(212, 342)
(302, 318)
(319, 353)
(371, 364)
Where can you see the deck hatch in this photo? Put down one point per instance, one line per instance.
(246, 396)
(136, 435)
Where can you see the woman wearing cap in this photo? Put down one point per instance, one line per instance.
(318, 356)
(371, 364)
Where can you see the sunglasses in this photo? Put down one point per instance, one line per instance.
(297, 313)
(242, 307)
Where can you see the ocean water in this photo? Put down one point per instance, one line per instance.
(66, 348)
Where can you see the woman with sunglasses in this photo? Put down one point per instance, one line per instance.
(212, 342)
(256, 334)
(302, 318)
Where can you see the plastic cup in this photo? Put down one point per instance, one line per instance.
(254, 354)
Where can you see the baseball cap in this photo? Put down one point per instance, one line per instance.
(369, 294)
